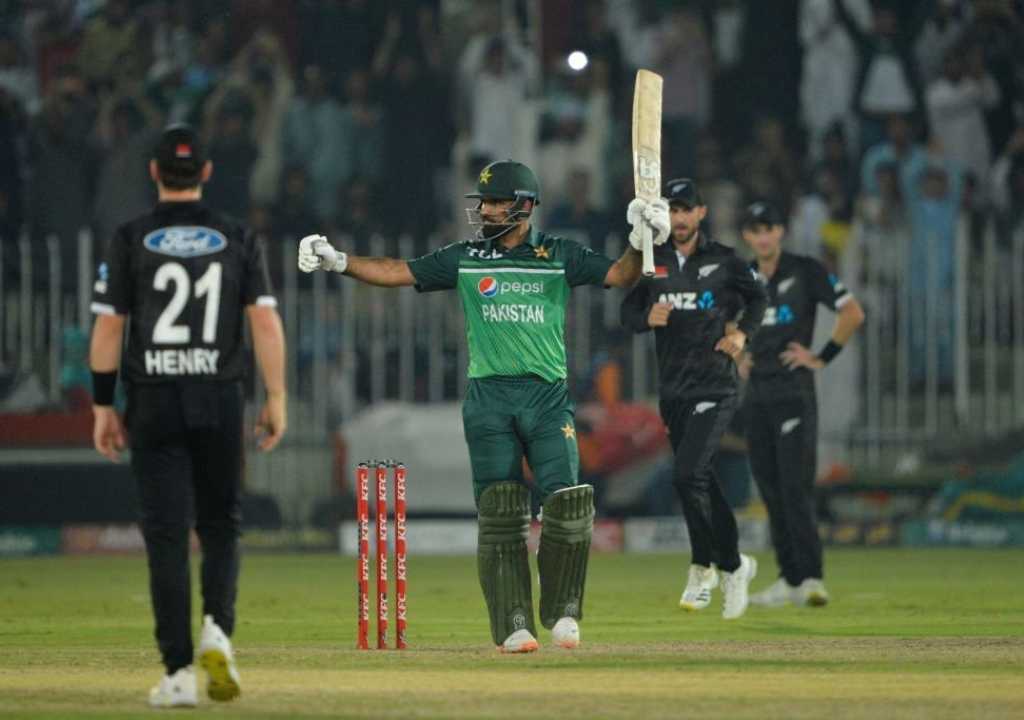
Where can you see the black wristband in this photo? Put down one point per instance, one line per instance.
(103, 384)
(829, 352)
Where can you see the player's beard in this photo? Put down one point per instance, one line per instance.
(685, 239)
(491, 231)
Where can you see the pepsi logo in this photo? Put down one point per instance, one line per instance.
(487, 286)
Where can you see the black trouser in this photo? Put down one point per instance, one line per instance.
(783, 439)
(695, 430)
(187, 460)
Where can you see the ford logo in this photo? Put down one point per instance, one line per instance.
(185, 241)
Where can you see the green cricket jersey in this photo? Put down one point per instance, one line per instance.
(514, 300)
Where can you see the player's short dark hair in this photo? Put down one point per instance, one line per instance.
(179, 158)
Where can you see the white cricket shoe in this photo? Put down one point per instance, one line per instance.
(521, 641)
(217, 658)
(777, 594)
(812, 593)
(699, 583)
(736, 588)
(566, 633)
(177, 690)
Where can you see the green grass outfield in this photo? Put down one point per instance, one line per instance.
(910, 634)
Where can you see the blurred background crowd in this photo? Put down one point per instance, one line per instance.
(889, 132)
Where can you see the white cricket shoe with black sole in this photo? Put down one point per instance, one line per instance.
(736, 588)
(177, 690)
(778, 594)
(218, 660)
(566, 633)
(699, 583)
(521, 641)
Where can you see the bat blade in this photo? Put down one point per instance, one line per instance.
(647, 151)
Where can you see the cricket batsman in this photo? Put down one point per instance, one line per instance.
(514, 283)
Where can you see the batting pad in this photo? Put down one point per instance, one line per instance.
(502, 559)
(564, 549)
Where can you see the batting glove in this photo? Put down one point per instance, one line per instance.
(635, 216)
(315, 252)
(656, 215)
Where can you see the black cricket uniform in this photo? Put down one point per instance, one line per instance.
(782, 418)
(184, 275)
(697, 383)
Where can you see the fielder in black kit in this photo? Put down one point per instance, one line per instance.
(183, 278)
(703, 303)
(782, 417)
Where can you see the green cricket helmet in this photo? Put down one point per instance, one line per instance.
(504, 180)
(507, 180)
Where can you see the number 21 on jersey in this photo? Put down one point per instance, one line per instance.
(167, 331)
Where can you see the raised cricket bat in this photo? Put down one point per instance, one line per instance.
(647, 151)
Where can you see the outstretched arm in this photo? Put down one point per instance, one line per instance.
(315, 253)
(384, 272)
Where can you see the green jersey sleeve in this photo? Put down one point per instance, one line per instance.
(583, 266)
(438, 270)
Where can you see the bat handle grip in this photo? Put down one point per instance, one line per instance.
(647, 249)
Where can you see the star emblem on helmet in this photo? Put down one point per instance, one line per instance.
(541, 252)
(485, 176)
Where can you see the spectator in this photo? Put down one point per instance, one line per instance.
(63, 165)
(722, 194)
(315, 138)
(887, 79)
(601, 43)
(293, 213)
(887, 235)
(576, 132)
(932, 187)
(577, 215)
(998, 27)
(357, 216)
(416, 136)
(502, 79)
(179, 92)
(837, 156)
(829, 67)
(942, 30)
(684, 59)
(169, 26)
(17, 76)
(1008, 181)
(233, 154)
(364, 129)
(957, 102)
(124, 189)
(900, 147)
(767, 166)
(108, 37)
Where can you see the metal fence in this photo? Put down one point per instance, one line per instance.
(936, 360)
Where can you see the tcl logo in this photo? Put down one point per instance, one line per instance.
(489, 287)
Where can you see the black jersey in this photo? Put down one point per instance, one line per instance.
(796, 288)
(712, 288)
(184, 274)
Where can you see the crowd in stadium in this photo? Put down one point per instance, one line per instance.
(359, 118)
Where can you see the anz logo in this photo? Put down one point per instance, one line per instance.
(781, 315)
(185, 242)
(689, 300)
